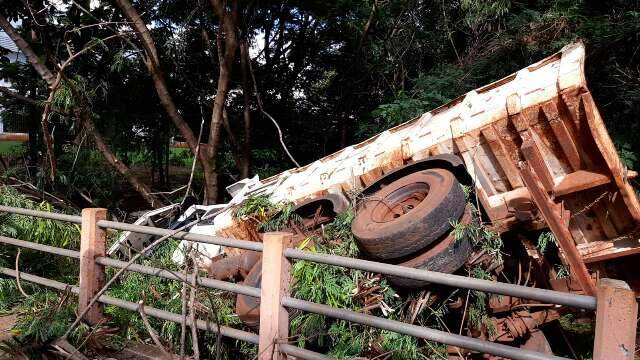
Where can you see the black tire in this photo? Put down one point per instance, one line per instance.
(248, 307)
(445, 256)
(409, 214)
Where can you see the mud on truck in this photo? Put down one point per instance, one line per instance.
(526, 159)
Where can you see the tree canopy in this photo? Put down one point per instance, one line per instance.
(133, 76)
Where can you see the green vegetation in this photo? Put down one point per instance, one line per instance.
(340, 288)
(580, 333)
(331, 75)
(267, 215)
(12, 148)
(562, 271)
(481, 236)
(46, 314)
(544, 239)
(478, 317)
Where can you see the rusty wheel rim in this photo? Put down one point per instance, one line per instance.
(400, 202)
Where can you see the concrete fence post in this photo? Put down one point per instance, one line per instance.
(616, 321)
(92, 276)
(274, 318)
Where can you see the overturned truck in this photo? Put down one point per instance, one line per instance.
(533, 145)
(532, 152)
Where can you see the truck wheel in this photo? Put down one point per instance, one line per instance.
(248, 307)
(408, 214)
(446, 256)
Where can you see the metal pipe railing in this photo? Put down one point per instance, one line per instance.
(42, 214)
(40, 247)
(174, 275)
(343, 314)
(160, 314)
(182, 235)
(524, 292)
(550, 296)
(443, 337)
(173, 317)
(142, 269)
(568, 299)
(301, 353)
(149, 230)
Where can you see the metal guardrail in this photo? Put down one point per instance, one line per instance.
(556, 297)
(549, 296)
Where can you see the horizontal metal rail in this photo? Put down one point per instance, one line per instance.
(439, 336)
(301, 353)
(142, 269)
(183, 235)
(169, 316)
(40, 247)
(353, 316)
(348, 315)
(519, 291)
(524, 292)
(149, 230)
(160, 314)
(42, 214)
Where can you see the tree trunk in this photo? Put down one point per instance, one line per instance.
(228, 22)
(153, 65)
(104, 148)
(246, 148)
(47, 75)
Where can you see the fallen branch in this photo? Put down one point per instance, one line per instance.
(195, 156)
(152, 333)
(77, 350)
(259, 101)
(192, 310)
(183, 323)
(46, 135)
(18, 275)
(68, 350)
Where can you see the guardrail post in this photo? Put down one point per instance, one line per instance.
(274, 318)
(616, 321)
(92, 277)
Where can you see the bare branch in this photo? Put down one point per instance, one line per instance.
(16, 95)
(259, 101)
(26, 49)
(192, 309)
(46, 135)
(18, 275)
(152, 333)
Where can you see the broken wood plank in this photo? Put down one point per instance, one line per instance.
(499, 149)
(553, 215)
(371, 176)
(610, 154)
(605, 250)
(563, 134)
(578, 181)
(531, 152)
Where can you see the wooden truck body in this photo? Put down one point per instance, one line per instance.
(542, 118)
